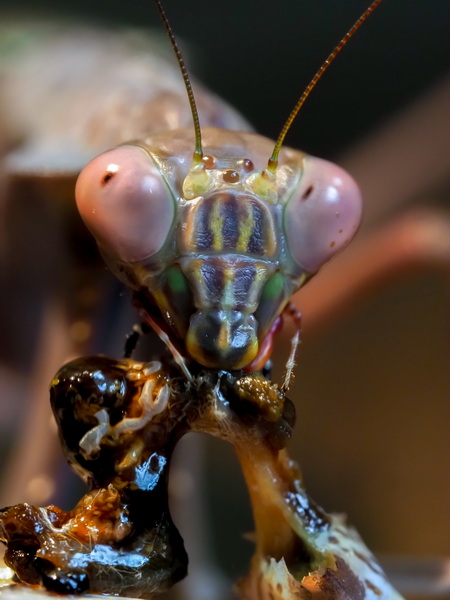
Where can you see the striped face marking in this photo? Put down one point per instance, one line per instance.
(229, 243)
(230, 222)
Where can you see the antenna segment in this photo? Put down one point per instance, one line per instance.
(273, 161)
(198, 153)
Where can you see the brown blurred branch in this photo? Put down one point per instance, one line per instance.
(406, 158)
(415, 241)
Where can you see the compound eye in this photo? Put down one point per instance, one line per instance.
(125, 203)
(323, 215)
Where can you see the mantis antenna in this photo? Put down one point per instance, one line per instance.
(198, 153)
(273, 161)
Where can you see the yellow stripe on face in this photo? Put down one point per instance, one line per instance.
(216, 225)
(201, 297)
(228, 300)
(245, 230)
(189, 230)
(257, 283)
(223, 341)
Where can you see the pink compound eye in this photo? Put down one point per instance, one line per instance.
(323, 214)
(125, 203)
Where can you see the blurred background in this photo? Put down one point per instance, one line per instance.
(372, 385)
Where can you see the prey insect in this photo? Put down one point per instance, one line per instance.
(214, 237)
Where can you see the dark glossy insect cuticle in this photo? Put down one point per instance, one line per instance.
(66, 582)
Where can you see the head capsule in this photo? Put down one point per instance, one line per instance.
(216, 269)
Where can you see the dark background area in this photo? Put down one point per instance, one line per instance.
(259, 55)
